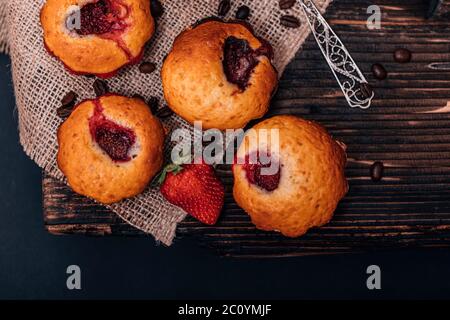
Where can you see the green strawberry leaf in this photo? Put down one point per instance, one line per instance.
(161, 176)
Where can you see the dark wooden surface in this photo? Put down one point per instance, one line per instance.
(408, 128)
(439, 9)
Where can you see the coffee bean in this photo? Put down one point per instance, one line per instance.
(243, 13)
(290, 21)
(156, 8)
(100, 88)
(147, 67)
(64, 111)
(153, 103)
(164, 112)
(402, 55)
(286, 4)
(68, 102)
(376, 171)
(379, 71)
(138, 96)
(224, 7)
(69, 99)
(366, 90)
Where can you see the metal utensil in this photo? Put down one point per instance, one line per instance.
(338, 58)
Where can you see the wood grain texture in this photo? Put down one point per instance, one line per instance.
(408, 128)
(439, 9)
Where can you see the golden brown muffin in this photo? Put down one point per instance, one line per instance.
(305, 190)
(219, 73)
(110, 148)
(97, 36)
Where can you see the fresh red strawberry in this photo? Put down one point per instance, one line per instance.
(194, 188)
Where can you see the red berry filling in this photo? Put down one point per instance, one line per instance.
(240, 60)
(111, 137)
(115, 140)
(255, 175)
(102, 16)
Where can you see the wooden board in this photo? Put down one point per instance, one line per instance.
(439, 9)
(408, 128)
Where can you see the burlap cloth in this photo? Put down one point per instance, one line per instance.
(40, 82)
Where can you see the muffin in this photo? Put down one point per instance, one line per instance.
(306, 181)
(110, 148)
(219, 73)
(97, 37)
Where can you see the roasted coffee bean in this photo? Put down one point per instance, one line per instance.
(164, 112)
(100, 88)
(224, 7)
(402, 55)
(290, 21)
(138, 96)
(153, 103)
(366, 90)
(156, 8)
(64, 111)
(147, 67)
(376, 171)
(69, 99)
(379, 72)
(243, 13)
(287, 4)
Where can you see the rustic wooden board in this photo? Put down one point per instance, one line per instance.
(408, 128)
(439, 9)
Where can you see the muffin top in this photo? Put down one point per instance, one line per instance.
(96, 37)
(219, 73)
(110, 148)
(306, 188)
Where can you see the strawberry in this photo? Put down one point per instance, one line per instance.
(195, 188)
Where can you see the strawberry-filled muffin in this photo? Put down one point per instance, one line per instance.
(97, 37)
(306, 186)
(110, 148)
(219, 73)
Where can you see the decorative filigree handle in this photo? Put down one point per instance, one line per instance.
(342, 65)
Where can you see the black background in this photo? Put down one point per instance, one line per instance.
(33, 263)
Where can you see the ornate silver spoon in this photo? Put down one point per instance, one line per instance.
(351, 80)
